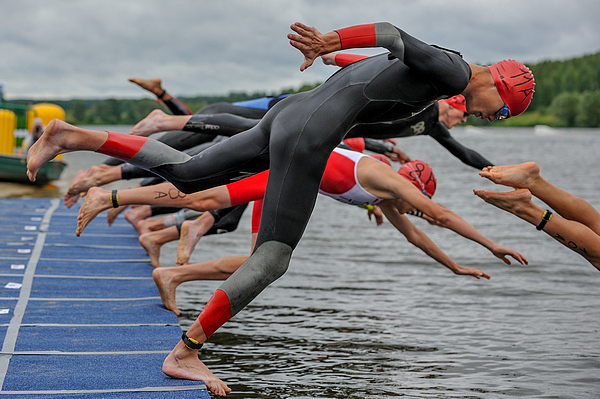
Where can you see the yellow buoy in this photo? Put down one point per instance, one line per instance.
(46, 112)
(8, 124)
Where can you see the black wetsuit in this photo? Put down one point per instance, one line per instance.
(297, 135)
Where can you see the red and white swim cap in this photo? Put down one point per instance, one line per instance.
(515, 84)
(421, 175)
(457, 102)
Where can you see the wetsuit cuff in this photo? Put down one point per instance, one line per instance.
(357, 36)
(342, 60)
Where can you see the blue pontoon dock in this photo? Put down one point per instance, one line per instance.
(80, 317)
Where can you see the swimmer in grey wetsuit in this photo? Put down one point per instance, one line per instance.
(298, 134)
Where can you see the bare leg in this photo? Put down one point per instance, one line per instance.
(60, 138)
(167, 279)
(153, 241)
(112, 214)
(146, 226)
(94, 177)
(136, 215)
(158, 121)
(191, 232)
(165, 194)
(572, 234)
(527, 175)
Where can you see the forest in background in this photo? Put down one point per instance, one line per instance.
(567, 94)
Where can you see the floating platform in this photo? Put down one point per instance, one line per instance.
(81, 316)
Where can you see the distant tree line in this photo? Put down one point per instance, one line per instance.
(567, 94)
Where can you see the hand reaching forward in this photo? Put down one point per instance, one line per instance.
(312, 43)
(471, 271)
(501, 252)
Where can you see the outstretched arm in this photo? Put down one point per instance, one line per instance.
(468, 156)
(419, 239)
(460, 226)
(445, 69)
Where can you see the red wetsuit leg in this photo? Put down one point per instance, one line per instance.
(216, 312)
(249, 189)
(122, 146)
(256, 213)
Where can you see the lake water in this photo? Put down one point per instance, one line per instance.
(363, 314)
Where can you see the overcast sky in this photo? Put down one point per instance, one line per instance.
(64, 49)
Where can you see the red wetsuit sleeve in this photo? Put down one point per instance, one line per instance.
(357, 36)
(342, 60)
(122, 146)
(256, 213)
(249, 189)
(216, 312)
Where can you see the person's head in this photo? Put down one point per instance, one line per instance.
(37, 126)
(452, 111)
(499, 91)
(421, 175)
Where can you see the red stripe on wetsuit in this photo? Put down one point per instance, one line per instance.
(357, 36)
(216, 312)
(343, 59)
(122, 146)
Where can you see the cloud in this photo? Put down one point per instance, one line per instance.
(88, 49)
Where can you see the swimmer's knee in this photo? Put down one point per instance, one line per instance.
(268, 262)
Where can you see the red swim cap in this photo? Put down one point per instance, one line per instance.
(457, 102)
(382, 158)
(515, 83)
(421, 175)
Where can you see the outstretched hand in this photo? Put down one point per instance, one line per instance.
(501, 252)
(471, 271)
(377, 214)
(309, 41)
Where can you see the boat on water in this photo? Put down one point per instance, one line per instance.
(13, 168)
(16, 127)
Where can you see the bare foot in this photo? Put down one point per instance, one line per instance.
(149, 125)
(519, 176)
(154, 86)
(96, 201)
(54, 141)
(188, 238)
(163, 278)
(513, 201)
(184, 363)
(91, 178)
(112, 214)
(149, 225)
(69, 200)
(137, 214)
(152, 248)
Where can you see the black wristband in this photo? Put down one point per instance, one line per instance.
(190, 343)
(161, 95)
(545, 218)
(114, 199)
